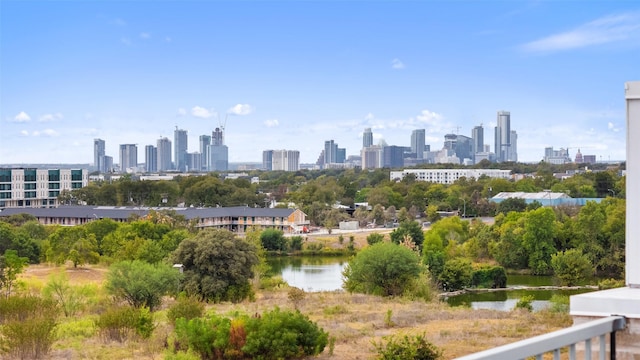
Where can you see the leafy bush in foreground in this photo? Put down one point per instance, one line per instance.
(120, 323)
(407, 348)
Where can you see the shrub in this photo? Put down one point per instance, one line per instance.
(295, 243)
(525, 303)
(456, 274)
(28, 326)
(296, 296)
(295, 335)
(559, 303)
(382, 269)
(69, 298)
(571, 266)
(407, 347)
(186, 307)
(120, 323)
(489, 277)
(273, 240)
(610, 284)
(208, 337)
(374, 238)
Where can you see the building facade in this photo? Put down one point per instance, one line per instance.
(128, 158)
(267, 160)
(367, 138)
(205, 142)
(418, 142)
(449, 176)
(36, 188)
(164, 154)
(286, 160)
(180, 147)
(150, 159)
(98, 155)
(477, 142)
(502, 136)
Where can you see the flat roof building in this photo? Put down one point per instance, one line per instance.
(448, 176)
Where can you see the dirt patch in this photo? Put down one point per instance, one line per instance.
(77, 276)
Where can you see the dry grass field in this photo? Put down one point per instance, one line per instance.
(355, 321)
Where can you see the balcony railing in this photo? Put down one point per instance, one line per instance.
(556, 341)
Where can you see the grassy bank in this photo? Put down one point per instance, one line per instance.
(355, 321)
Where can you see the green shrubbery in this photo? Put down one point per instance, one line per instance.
(407, 348)
(489, 277)
(186, 307)
(273, 335)
(28, 325)
(525, 302)
(121, 323)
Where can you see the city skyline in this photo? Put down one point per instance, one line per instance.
(279, 77)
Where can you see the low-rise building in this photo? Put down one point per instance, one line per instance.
(448, 176)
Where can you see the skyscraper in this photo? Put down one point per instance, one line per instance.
(180, 149)
(513, 148)
(128, 157)
(150, 159)
(98, 155)
(286, 160)
(477, 144)
(417, 143)
(164, 154)
(502, 136)
(267, 160)
(218, 152)
(330, 152)
(367, 138)
(205, 141)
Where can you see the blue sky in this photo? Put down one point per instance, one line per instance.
(292, 74)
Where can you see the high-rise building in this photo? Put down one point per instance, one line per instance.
(286, 160)
(341, 155)
(477, 136)
(180, 149)
(218, 152)
(267, 160)
(108, 163)
(330, 152)
(372, 157)
(193, 162)
(150, 159)
(98, 155)
(205, 141)
(393, 156)
(502, 136)
(513, 147)
(367, 138)
(128, 157)
(164, 154)
(417, 143)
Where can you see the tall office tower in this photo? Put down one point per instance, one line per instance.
(372, 157)
(98, 155)
(341, 155)
(286, 160)
(128, 157)
(502, 136)
(267, 160)
(217, 137)
(417, 143)
(205, 141)
(477, 144)
(393, 156)
(194, 162)
(330, 152)
(218, 152)
(164, 154)
(367, 138)
(150, 159)
(180, 149)
(513, 148)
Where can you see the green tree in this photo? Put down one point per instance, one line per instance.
(140, 283)
(273, 240)
(571, 266)
(383, 269)
(411, 228)
(10, 266)
(217, 265)
(512, 204)
(456, 274)
(375, 238)
(538, 239)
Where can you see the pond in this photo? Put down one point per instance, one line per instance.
(313, 274)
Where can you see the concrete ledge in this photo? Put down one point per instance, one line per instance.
(621, 301)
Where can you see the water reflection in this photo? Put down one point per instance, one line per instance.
(310, 273)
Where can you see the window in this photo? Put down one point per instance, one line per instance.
(54, 185)
(29, 194)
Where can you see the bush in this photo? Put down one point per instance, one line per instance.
(571, 266)
(28, 326)
(610, 284)
(69, 298)
(295, 335)
(489, 277)
(187, 308)
(273, 240)
(559, 303)
(456, 274)
(407, 347)
(374, 238)
(383, 269)
(120, 323)
(296, 296)
(208, 337)
(525, 303)
(411, 228)
(295, 243)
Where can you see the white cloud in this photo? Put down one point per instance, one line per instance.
(24, 133)
(397, 64)
(611, 126)
(22, 117)
(240, 109)
(182, 111)
(369, 116)
(50, 117)
(50, 132)
(608, 29)
(145, 35)
(167, 39)
(272, 122)
(126, 41)
(202, 113)
(118, 22)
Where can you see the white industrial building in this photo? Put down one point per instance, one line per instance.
(449, 176)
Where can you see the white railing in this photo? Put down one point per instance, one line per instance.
(556, 341)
